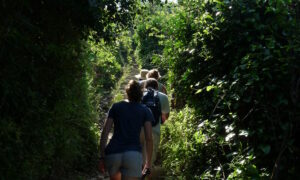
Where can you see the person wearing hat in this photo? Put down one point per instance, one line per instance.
(142, 75)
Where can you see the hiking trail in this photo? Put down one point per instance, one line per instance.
(129, 72)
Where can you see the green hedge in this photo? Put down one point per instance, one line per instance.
(48, 109)
(236, 63)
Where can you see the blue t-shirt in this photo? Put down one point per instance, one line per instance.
(129, 118)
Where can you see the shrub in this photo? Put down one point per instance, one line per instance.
(47, 118)
(235, 63)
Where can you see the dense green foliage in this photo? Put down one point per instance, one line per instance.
(233, 74)
(51, 77)
(236, 63)
(148, 33)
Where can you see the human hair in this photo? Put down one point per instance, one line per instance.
(153, 73)
(134, 91)
(151, 83)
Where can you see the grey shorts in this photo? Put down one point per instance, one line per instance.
(129, 163)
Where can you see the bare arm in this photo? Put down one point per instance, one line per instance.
(164, 116)
(149, 143)
(104, 135)
(164, 90)
(165, 108)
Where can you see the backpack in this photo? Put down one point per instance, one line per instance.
(151, 100)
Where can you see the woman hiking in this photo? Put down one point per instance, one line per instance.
(122, 157)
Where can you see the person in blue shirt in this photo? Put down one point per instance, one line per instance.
(122, 156)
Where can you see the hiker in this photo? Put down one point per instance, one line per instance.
(154, 73)
(142, 76)
(152, 84)
(122, 157)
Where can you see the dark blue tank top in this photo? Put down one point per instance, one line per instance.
(128, 118)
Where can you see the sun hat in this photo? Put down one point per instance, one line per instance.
(142, 74)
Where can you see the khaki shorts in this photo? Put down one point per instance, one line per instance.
(156, 141)
(129, 163)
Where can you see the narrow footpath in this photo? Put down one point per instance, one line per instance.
(119, 93)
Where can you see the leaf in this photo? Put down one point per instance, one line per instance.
(208, 88)
(229, 128)
(198, 91)
(229, 136)
(243, 133)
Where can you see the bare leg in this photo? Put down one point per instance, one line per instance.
(116, 176)
(130, 178)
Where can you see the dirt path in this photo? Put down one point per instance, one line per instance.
(129, 72)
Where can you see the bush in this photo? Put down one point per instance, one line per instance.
(47, 114)
(183, 136)
(236, 64)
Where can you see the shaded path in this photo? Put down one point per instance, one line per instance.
(129, 71)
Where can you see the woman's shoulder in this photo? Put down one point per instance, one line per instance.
(141, 107)
(120, 103)
(135, 105)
